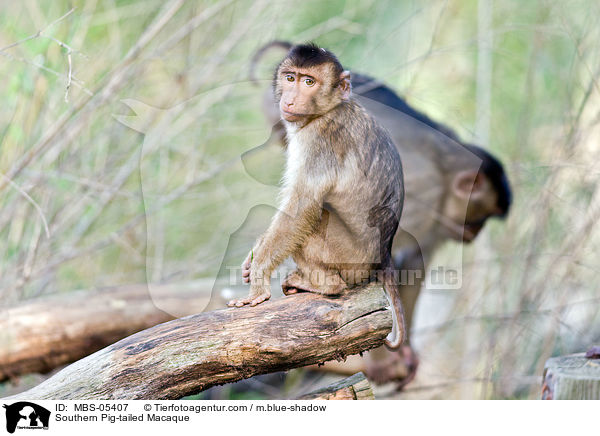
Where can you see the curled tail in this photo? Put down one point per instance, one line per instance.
(261, 51)
(394, 340)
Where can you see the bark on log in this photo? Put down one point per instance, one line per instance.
(572, 377)
(43, 334)
(190, 354)
(355, 387)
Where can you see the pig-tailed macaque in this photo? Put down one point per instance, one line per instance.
(451, 190)
(342, 191)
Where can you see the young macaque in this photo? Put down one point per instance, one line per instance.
(342, 192)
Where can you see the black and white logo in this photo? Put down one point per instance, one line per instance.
(26, 415)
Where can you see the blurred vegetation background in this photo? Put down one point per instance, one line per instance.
(123, 122)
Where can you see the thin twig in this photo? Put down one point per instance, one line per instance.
(39, 33)
(69, 75)
(70, 50)
(31, 200)
(59, 19)
(62, 44)
(74, 79)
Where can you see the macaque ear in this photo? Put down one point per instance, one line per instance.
(345, 85)
(468, 184)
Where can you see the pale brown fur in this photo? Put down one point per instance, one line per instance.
(342, 191)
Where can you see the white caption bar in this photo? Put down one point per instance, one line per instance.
(90, 418)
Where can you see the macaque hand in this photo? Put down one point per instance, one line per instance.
(246, 265)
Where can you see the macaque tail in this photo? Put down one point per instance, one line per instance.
(261, 51)
(394, 340)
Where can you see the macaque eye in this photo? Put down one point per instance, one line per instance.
(289, 77)
(309, 81)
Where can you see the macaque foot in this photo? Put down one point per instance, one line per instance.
(291, 283)
(294, 283)
(398, 366)
(255, 297)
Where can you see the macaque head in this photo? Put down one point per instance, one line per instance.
(476, 195)
(308, 83)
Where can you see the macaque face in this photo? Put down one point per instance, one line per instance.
(309, 92)
(299, 90)
(471, 202)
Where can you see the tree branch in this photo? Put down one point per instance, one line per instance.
(42, 334)
(190, 354)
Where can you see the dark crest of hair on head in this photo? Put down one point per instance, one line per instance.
(310, 55)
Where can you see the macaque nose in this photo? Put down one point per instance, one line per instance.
(498, 211)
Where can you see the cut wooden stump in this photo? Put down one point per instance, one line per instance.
(190, 354)
(37, 336)
(572, 377)
(355, 387)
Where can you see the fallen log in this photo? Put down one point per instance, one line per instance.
(190, 354)
(37, 336)
(355, 387)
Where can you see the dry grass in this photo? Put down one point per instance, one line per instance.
(86, 200)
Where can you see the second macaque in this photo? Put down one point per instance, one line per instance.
(452, 189)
